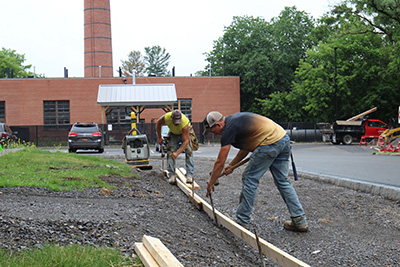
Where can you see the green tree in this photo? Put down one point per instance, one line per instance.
(11, 60)
(381, 18)
(157, 60)
(134, 63)
(264, 55)
(291, 32)
(367, 73)
(365, 35)
(244, 51)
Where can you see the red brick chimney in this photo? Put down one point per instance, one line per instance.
(98, 49)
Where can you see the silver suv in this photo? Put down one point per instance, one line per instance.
(85, 135)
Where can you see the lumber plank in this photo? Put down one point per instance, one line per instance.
(160, 252)
(349, 123)
(274, 253)
(361, 115)
(197, 201)
(145, 256)
(183, 178)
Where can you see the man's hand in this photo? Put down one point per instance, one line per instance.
(210, 187)
(160, 140)
(174, 155)
(228, 169)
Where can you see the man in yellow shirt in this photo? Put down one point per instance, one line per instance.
(179, 126)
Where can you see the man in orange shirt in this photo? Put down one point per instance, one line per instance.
(269, 145)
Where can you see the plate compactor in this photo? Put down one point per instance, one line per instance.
(136, 148)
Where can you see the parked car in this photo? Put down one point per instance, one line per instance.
(85, 135)
(164, 133)
(6, 134)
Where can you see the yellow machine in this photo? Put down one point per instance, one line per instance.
(391, 135)
(136, 147)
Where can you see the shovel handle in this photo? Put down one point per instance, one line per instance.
(213, 210)
(236, 165)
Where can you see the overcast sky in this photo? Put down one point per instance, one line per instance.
(50, 33)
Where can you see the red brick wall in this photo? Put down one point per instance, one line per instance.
(24, 97)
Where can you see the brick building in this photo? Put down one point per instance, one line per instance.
(56, 103)
(65, 101)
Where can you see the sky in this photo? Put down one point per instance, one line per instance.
(50, 33)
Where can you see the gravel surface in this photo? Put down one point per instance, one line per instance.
(347, 228)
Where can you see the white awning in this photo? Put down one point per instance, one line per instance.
(149, 95)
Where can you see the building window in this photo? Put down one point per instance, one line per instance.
(185, 105)
(2, 111)
(118, 116)
(56, 112)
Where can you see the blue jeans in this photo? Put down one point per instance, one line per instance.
(174, 143)
(276, 158)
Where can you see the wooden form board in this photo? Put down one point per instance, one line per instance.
(145, 256)
(153, 253)
(183, 178)
(274, 253)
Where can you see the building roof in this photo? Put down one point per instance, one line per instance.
(149, 95)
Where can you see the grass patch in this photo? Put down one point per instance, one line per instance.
(61, 172)
(74, 255)
(58, 171)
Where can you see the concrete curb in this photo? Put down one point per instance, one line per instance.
(387, 191)
(6, 151)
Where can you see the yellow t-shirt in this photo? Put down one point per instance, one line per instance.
(176, 129)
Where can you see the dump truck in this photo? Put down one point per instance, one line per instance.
(353, 129)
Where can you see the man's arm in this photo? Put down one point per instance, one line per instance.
(239, 156)
(160, 122)
(185, 142)
(218, 167)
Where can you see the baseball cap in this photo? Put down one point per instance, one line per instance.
(210, 120)
(176, 116)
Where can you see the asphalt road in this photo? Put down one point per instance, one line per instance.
(352, 162)
(338, 161)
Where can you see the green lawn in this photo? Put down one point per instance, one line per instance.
(59, 171)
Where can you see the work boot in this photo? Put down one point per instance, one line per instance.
(289, 225)
(189, 179)
(166, 174)
(172, 179)
(243, 224)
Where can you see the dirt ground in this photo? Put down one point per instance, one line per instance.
(347, 228)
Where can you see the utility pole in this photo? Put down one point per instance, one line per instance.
(336, 89)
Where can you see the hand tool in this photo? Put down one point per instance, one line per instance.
(163, 170)
(193, 190)
(213, 209)
(236, 165)
(233, 168)
(162, 156)
(259, 248)
(293, 167)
